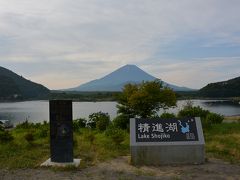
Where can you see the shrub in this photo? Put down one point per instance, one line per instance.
(45, 123)
(25, 125)
(116, 135)
(43, 132)
(167, 115)
(79, 123)
(89, 136)
(103, 123)
(29, 137)
(5, 136)
(121, 121)
(189, 111)
(75, 141)
(99, 120)
(214, 118)
(207, 117)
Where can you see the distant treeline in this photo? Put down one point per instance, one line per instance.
(85, 96)
(113, 96)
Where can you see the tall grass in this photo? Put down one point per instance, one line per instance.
(94, 146)
(223, 141)
(91, 146)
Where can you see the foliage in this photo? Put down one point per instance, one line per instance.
(43, 132)
(121, 121)
(28, 125)
(89, 136)
(5, 136)
(29, 137)
(206, 116)
(93, 146)
(84, 96)
(189, 111)
(214, 118)
(79, 123)
(99, 121)
(117, 135)
(145, 99)
(167, 115)
(222, 141)
(8, 87)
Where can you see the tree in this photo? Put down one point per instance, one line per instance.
(145, 99)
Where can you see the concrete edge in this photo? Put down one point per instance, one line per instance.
(47, 163)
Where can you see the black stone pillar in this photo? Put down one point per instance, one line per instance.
(61, 131)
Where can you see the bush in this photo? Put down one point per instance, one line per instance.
(99, 120)
(27, 125)
(43, 132)
(116, 135)
(121, 121)
(213, 118)
(189, 111)
(75, 141)
(103, 123)
(167, 115)
(90, 136)
(79, 123)
(29, 137)
(207, 117)
(5, 136)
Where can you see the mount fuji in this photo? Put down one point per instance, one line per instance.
(118, 78)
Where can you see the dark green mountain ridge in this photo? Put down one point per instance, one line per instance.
(15, 87)
(229, 88)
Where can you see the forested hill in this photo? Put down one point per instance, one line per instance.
(230, 88)
(15, 87)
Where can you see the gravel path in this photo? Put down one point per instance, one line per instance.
(119, 168)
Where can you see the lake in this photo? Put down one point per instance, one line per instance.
(38, 111)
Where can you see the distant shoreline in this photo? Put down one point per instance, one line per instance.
(234, 99)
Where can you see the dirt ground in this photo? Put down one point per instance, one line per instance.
(120, 169)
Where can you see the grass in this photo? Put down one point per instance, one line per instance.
(223, 141)
(232, 118)
(92, 147)
(98, 149)
(21, 153)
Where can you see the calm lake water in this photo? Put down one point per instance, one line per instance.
(38, 111)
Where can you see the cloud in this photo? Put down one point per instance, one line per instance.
(195, 73)
(86, 39)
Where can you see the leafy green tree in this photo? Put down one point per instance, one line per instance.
(145, 99)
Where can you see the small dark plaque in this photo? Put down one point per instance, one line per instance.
(166, 130)
(61, 133)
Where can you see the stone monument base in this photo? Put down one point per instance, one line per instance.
(76, 163)
(167, 141)
(167, 155)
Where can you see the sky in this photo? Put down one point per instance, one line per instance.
(64, 43)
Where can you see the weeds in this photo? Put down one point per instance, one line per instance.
(93, 146)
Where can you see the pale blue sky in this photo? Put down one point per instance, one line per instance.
(64, 43)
